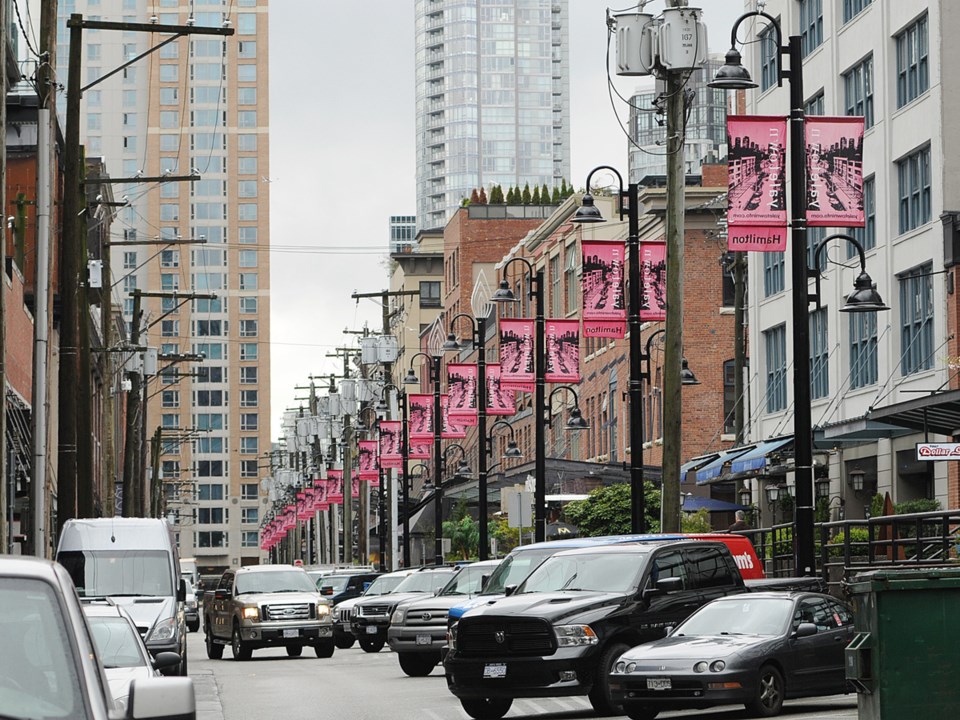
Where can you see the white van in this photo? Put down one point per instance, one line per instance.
(134, 561)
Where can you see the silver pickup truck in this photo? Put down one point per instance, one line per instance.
(266, 606)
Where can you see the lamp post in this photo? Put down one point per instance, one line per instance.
(479, 327)
(433, 363)
(505, 294)
(733, 76)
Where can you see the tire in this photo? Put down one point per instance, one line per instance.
(214, 651)
(294, 650)
(324, 649)
(599, 696)
(241, 651)
(371, 645)
(418, 664)
(768, 698)
(193, 626)
(486, 708)
(182, 670)
(344, 641)
(640, 712)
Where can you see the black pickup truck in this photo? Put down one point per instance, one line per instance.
(562, 629)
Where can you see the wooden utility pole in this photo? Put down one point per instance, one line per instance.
(132, 435)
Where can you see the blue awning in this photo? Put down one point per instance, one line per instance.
(694, 503)
(714, 469)
(755, 459)
(695, 463)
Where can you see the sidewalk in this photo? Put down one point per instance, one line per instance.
(208, 695)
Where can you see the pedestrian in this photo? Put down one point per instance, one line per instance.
(739, 522)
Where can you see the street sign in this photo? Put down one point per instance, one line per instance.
(518, 504)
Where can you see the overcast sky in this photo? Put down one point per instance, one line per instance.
(342, 158)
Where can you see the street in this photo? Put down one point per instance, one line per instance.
(355, 685)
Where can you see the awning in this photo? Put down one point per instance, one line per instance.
(937, 413)
(693, 503)
(755, 460)
(711, 471)
(696, 463)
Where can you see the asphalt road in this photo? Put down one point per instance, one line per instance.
(354, 685)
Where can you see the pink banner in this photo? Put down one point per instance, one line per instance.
(452, 429)
(335, 487)
(758, 238)
(355, 488)
(563, 351)
(391, 441)
(500, 400)
(601, 287)
(420, 449)
(653, 273)
(756, 152)
(462, 389)
(834, 171)
(367, 459)
(420, 416)
(320, 495)
(517, 351)
(373, 482)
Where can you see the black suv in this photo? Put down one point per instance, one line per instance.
(563, 628)
(343, 586)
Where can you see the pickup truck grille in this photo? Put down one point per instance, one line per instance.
(504, 637)
(371, 610)
(343, 614)
(292, 611)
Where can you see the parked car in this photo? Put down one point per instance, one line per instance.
(124, 656)
(342, 586)
(191, 607)
(343, 632)
(756, 649)
(50, 666)
(560, 632)
(266, 606)
(371, 615)
(418, 628)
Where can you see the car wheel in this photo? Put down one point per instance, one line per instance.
(294, 650)
(344, 642)
(324, 648)
(768, 699)
(182, 672)
(418, 664)
(639, 712)
(241, 651)
(193, 626)
(214, 651)
(371, 645)
(486, 708)
(600, 697)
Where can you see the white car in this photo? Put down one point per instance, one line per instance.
(124, 656)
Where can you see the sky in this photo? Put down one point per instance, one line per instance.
(342, 147)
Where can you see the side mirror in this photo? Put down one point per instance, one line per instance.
(509, 590)
(182, 591)
(805, 629)
(162, 699)
(436, 591)
(483, 581)
(165, 660)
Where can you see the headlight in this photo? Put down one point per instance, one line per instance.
(717, 666)
(251, 612)
(619, 667)
(575, 635)
(165, 629)
(700, 667)
(322, 610)
(398, 615)
(631, 666)
(452, 637)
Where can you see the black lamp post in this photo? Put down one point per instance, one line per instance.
(479, 327)
(505, 294)
(433, 363)
(733, 76)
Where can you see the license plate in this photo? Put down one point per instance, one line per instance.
(291, 632)
(495, 670)
(371, 629)
(658, 683)
(423, 639)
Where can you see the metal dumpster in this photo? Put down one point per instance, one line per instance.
(903, 658)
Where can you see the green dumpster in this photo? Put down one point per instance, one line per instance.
(903, 659)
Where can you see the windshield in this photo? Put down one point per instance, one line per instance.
(332, 583)
(467, 581)
(514, 570)
(383, 585)
(747, 616)
(597, 572)
(101, 573)
(424, 582)
(117, 641)
(274, 581)
(38, 676)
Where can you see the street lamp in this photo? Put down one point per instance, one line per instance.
(433, 363)
(463, 468)
(505, 294)
(733, 76)
(575, 420)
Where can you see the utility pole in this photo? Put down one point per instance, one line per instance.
(132, 434)
(345, 353)
(5, 499)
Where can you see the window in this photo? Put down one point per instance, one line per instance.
(169, 328)
(248, 328)
(858, 91)
(247, 211)
(246, 24)
(556, 297)
(249, 421)
(913, 178)
(248, 375)
(729, 396)
(773, 273)
(249, 516)
(867, 235)
(170, 190)
(248, 351)
(863, 349)
(129, 260)
(210, 374)
(247, 189)
(207, 281)
(913, 74)
(852, 8)
(169, 119)
(728, 283)
(811, 26)
(209, 421)
(247, 49)
(247, 142)
(248, 281)
(249, 445)
(916, 313)
(429, 294)
(246, 96)
(209, 258)
(248, 305)
(249, 539)
(247, 166)
(169, 212)
(819, 355)
(207, 328)
(248, 398)
(211, 468)
(814, 236)
(709, 569)
(249, 491)
(209, 445)
(211, 539)
(248, 469)
(168, 72)
(94, 121)
(247, 119)
(170, 469)
(210, 351)
(169, 282)
(247, 235)
(169, 95)
(570, 280)
(170, 421)
(209, 398)
(207, 491)
(94, 52)
(775, 343)
(247, 73)
(814, 106)
(769, 58)
(169, 258)
(170, 398)
(247, 258)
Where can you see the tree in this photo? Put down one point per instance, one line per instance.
(510, 196)
(606, 511)
(556, 199)
(507, 537)
(496, 195)
(535, 199)
(544, 194)
(474, 197)
(564, 190)
(463, 531)
(483, 196)
(526, 197)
